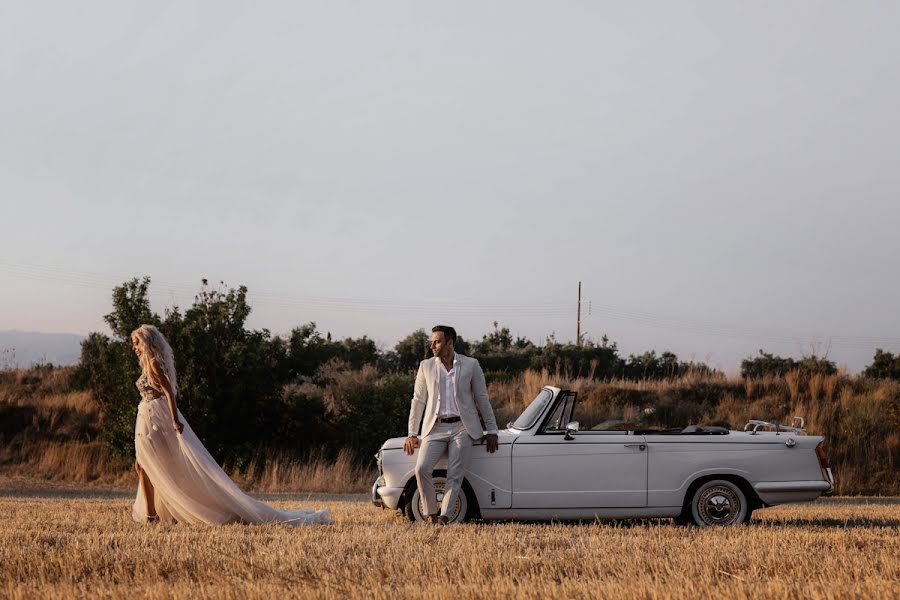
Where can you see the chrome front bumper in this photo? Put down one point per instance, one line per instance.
(385, 497)
(376, 499)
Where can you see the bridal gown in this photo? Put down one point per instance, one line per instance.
(189, 486)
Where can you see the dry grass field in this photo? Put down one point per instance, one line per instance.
(71, 543)
(66, 531)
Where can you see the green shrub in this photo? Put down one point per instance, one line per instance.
(884, 366)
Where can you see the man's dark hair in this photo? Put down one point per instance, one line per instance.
(449, 332)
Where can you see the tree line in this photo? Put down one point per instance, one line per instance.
(246, 391)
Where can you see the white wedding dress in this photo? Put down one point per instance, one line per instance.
(189, 486)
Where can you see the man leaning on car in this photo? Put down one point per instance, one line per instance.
(451, 392)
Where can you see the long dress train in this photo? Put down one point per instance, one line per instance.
(189, 485)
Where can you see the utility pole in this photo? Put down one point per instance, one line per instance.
(578, 326)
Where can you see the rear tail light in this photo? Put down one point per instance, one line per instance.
(825, 466)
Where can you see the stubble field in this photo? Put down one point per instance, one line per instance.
(65, 543)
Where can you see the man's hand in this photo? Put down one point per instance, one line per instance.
(491, 440)
(178, 425)
(411, 443)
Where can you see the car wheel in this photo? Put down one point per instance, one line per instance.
(415, 508)
(719, 503)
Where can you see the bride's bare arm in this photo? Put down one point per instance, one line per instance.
(159, 375)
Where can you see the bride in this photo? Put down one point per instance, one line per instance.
(178, 480)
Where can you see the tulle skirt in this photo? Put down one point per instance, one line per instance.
(189, 485)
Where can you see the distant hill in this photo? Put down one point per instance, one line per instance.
(25, 348)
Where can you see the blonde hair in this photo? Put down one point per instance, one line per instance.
(156, 348)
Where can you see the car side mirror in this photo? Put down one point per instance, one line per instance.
(571, 429)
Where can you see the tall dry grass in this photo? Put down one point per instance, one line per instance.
(50, 433)
(792, 379)
(73, 462)
(280, 473)
(816, 385)
(67, 547)
(68, 461)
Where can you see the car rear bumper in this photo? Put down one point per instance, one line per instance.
(779, 492)
(385, 497)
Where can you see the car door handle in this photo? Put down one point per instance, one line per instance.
(640, 446)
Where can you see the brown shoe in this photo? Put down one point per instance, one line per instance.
(443, 520)
(434, 519)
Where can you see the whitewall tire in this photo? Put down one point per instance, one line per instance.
(415, 509)
(719, 503)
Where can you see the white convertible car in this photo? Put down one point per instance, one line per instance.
(547, 467)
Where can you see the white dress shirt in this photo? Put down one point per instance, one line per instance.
(447, 406)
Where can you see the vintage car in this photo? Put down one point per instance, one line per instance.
(548, 467)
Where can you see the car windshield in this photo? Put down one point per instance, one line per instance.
(534, 410)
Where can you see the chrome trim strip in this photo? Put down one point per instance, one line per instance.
(791, 486)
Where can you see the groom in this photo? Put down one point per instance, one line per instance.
(451, 391)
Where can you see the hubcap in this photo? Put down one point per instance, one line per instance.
(440, 490)
(719, 505)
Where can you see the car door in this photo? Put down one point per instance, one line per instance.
(592, 469)
(489, 474)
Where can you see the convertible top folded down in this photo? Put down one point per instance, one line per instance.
(689, 430)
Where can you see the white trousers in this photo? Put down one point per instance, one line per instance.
(453, 439)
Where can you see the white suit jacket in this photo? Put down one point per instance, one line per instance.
(471, 397)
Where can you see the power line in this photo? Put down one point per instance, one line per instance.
(463, 308)
(98, 281)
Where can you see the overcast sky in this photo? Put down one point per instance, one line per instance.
(721, 176)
